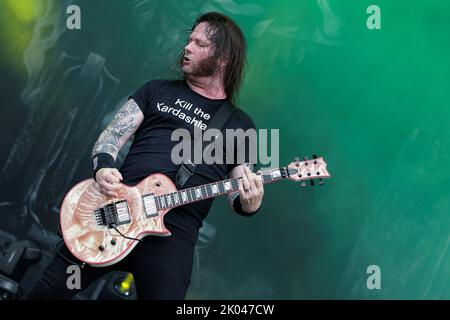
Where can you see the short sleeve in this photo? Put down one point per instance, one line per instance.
(144, 94)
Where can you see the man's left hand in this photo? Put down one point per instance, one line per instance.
(251, 191)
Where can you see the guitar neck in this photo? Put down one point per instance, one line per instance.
(210, 190)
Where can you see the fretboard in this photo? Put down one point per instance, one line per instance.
(210, 190)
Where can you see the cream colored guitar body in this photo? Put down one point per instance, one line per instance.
(98, 245)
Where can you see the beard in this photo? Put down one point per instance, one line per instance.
(205, 68)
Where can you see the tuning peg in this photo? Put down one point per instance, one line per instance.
(311, 182)
(306, 160)
(321, 181)
(315, 157)
(303, 184)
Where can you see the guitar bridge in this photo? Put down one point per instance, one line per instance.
(112, 214)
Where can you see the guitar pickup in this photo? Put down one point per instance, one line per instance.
(150, 205)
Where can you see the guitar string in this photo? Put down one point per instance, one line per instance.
(267, 177)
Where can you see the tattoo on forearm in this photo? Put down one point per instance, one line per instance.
(123, 123)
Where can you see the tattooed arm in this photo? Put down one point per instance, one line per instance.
(111, 140)
(119, 130)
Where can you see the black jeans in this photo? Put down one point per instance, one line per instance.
(161, 268)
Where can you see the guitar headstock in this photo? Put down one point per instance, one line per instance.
(302, 170)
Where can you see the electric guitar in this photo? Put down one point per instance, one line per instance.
(101, 230)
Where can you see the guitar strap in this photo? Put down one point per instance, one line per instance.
(187, 168)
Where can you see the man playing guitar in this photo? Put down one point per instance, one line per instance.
(212, 64)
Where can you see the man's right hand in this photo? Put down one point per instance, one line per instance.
(108, 180)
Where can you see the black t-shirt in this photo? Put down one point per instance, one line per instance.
(169, 105)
